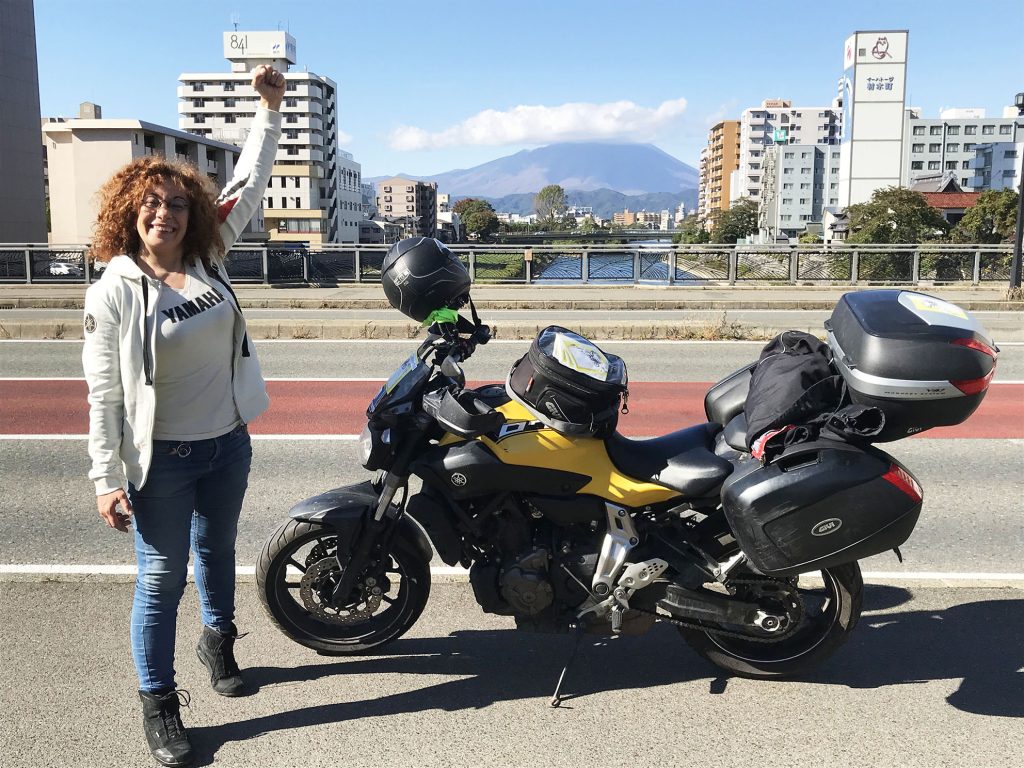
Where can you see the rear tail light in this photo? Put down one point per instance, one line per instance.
(974, 386)
(904, 481)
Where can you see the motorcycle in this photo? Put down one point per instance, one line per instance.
(754, 562)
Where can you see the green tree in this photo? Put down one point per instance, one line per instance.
(990, 220)
(812, 238)
(462, 207)
(691, 231)
(895, 215)
(739, 221)
(480, 221)
(550, 205)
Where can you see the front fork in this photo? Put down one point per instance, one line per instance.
(379, 526)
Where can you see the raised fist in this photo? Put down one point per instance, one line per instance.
(269, 84)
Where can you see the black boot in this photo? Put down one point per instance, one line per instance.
(217, 651)
(161, 721)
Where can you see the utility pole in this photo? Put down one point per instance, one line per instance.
(1019, 235)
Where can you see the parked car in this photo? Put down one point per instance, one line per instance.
(65, 269)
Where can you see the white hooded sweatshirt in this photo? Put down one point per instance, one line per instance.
(119, 356)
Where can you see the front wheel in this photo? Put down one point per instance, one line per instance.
(296, 574)
(830, 612)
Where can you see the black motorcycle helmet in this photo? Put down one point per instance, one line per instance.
(420, 274)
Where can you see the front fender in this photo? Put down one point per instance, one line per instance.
(344, 510)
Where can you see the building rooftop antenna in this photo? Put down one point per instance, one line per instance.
(235, 18)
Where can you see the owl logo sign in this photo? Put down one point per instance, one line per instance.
(881, 48)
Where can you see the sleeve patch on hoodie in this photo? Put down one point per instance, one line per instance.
(90, 323)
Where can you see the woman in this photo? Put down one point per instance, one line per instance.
(173, 381)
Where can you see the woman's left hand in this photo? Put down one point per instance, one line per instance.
(269, 84)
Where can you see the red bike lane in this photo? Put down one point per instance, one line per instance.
(326, 407)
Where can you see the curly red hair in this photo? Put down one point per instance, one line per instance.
(120, 199)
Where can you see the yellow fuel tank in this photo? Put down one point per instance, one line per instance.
(524, 441)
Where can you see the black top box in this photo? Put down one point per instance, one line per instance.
(923, 361)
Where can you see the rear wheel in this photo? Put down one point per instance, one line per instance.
(830, 607)
(296, 574)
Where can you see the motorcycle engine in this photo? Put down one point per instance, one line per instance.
(525, 584)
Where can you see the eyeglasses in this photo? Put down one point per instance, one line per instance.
(176, 206)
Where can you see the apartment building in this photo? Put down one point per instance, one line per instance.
(84, 153)
(22, 206)
(799, 181)
(314, 193)
(719, 159)
(410, 202)
(996, 166)
(776, 122)
(950, 143)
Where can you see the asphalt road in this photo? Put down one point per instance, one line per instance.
(931, 677)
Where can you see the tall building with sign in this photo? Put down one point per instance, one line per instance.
(874, 94)
(22, 207)
(314, 191)
(718, 160)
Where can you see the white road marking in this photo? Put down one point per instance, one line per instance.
(254, 437)
(71, 569)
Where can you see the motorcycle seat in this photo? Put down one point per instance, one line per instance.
(684, 461)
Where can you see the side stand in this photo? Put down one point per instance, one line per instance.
(556, 699)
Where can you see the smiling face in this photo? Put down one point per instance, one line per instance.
(163, 219)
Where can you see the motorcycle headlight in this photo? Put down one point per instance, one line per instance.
(374, 447)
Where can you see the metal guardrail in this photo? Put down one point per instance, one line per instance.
(574, 263)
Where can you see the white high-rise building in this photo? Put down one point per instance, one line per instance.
(314, 191)
(777, 121)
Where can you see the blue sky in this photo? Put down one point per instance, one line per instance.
(483, 79)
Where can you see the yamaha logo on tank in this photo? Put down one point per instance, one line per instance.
(459, 479)
(825, 527)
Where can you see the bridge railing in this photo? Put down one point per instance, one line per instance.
(573, 263)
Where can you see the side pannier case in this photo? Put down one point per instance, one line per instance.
(569, 383)
(923, 361)
(820, 504)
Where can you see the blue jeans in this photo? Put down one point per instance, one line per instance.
(192, 497)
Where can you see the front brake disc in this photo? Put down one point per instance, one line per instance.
(309, 591)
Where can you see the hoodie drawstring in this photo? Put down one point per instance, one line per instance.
(147, 362)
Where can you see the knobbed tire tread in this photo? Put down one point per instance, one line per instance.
(290, 531)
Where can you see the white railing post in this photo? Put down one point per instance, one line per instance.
(265, 264)
(357, 265)
(585, 266)
(734, 264)
(28, 265)
(915, 268)
(976, 272)
(854, 267)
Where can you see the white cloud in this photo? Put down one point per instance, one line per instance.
(526, 124)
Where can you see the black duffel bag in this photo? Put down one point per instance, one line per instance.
(570, 384)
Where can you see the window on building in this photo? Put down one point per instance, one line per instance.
(934, 147)
(953, 147)
(293, 103)
(229, 86)
(387, 207)
(935, 130)
(755, 166)
(805, 185)
(963, 182)
(968, 147)
(786, 217)
(291, 118)
(833, 201)
(199, 119)
(298, 201)
(917, 165)
(952, 130)
(410, 207)
(970, 130)
(290, 85)
(788, 185)
(833, 170)
(387, 188)
(787, 171)
(292, 150)
(835, 155)
(917, 148)
(933, 165)
(198, 102)
(1009, 173)
(409, 198)
(804, 155)
(198, 87)
(964, 165)
(805, 171)
(805, 217)
(787, 155)
(410, 188)
(787, 201)
(918, 130)
(988, 130)
(951, 165)
(229, 118)
(1010, 153)
(229, 102)
(834, 185)
(1004, 130)
(803, 201)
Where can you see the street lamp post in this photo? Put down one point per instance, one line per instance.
(1015, 261)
